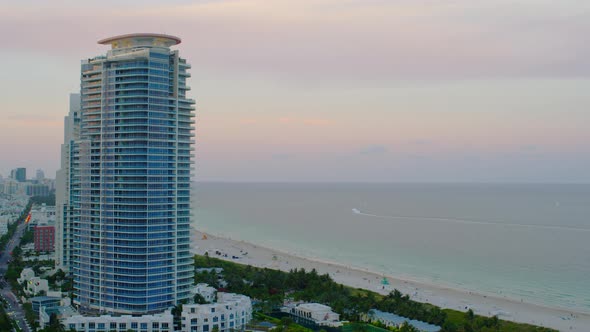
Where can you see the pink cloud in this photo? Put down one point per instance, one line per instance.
(305, 121)
(286, 120)
(248, 121)
(317, 122)
(318, 38)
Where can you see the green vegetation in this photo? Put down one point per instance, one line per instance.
(271, 287)
(362, 327)
(30, 315)
(13, 273)
(28, 237)
(177, 316)
(59, 281)
(12, 227)
(17, 264)
(6, 237)
(6, 323)
(54, 325)
(199, 299)
(284, 324)
(376, 327)
(67, 286)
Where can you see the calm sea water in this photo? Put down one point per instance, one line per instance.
(523, 241)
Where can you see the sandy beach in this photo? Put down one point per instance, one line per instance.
(482, 304)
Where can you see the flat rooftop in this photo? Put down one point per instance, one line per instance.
(140, 39)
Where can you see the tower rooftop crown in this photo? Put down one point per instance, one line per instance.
(140, 39)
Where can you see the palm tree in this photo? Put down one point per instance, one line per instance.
(55, 324)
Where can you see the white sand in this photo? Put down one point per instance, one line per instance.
(481, 304)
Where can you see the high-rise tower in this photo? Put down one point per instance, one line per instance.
(19, 174)
(133, 170)
(65, 188)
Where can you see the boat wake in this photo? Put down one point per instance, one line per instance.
(466, 221)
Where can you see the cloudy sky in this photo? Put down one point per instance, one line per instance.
(329, 90)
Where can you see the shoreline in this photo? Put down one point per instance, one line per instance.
(441, 296)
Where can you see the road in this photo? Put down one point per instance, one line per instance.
(13, 308)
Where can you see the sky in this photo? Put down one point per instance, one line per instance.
(329, 90)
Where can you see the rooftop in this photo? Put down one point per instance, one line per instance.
(140, 39)
(313, 306)
(45, 298)
(396, 319)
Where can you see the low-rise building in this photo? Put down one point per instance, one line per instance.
(206, 291)
(43, 215)
(36, 286)
(43, 257)
(32, 285)
(25, 275)
(393, 320)
(44, 237)
(314, 313)
(62, 312)
(44, 301)
(162, 322)
(230, 312)
(218, 270)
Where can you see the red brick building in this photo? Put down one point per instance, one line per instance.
(44, 238)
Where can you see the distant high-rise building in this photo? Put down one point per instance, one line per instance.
(37, 189)
(19, 174)
(40, 175)
(65, 187)
(126, 192)
(11, 187)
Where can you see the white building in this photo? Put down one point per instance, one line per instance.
(40, 175)
(36, 285)
(43, 215)
(136, 119)
(147, 323)
(206, 291)
(231, 312)
(25, 275)
(393, 320)
(4, 221)
(315, 313)
(13, 205)
(32, 284)
(64, 311)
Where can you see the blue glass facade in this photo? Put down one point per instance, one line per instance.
(131, 237)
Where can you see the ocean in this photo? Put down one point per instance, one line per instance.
(521, 241)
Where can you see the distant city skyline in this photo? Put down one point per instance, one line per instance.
(326, 90)
(29, 171)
